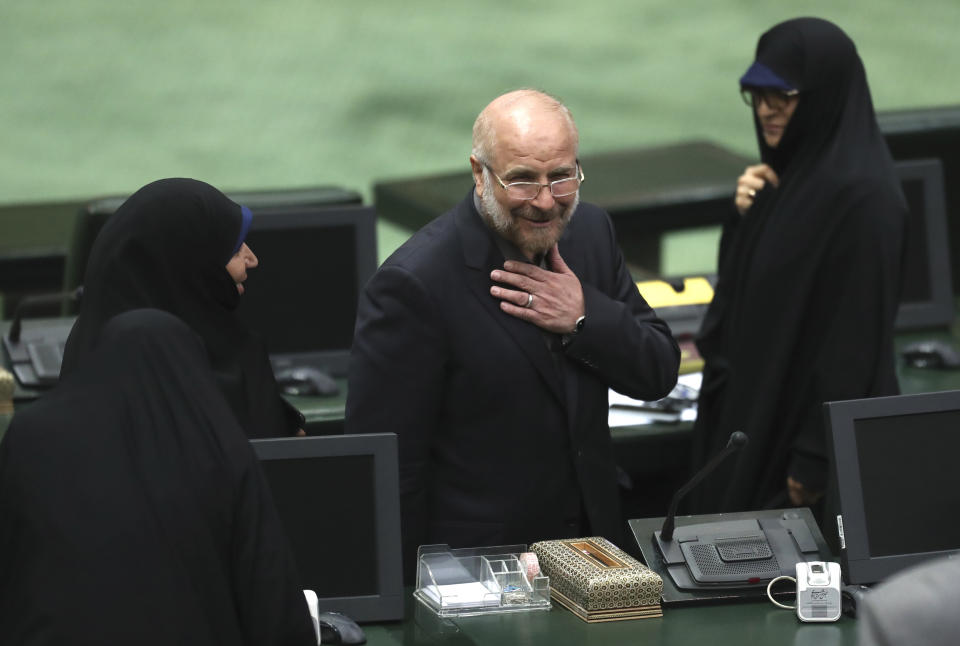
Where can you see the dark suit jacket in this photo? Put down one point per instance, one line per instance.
(498, 446)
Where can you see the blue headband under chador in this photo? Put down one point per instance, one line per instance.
(759, 75)
(246, 218)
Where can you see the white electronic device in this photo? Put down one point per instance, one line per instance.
(818, 591)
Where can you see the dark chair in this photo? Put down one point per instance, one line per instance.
(922, 133)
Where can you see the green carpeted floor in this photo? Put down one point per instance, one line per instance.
(102, 97)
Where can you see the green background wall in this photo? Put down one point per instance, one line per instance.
(100, 96)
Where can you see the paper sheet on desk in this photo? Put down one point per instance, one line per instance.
(692, 380)
(625, 411)
(462, 595)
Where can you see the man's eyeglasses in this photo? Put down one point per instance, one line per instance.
(530, 190)
(775, 99)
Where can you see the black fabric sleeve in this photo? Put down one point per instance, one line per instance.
(622, 338)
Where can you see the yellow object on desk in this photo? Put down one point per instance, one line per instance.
(690, 359)
(697, 290)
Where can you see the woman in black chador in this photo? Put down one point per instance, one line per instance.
(133, 510)
(809, 272)
(178, 245)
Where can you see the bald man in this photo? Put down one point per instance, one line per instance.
(488, 341)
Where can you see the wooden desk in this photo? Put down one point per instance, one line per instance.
(654, 459)
(324, 415)
(757, 623)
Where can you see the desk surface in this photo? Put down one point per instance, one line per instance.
(757, 623)
(315, 409)
(322, 409)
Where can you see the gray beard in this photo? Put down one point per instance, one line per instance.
(500, 220)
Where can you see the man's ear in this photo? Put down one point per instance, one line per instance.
(476, 166)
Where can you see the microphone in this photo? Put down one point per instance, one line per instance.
(738, 439)
(29, 303)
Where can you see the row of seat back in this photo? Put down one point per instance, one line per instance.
(92, 216)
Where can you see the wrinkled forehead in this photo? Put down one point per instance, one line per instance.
(544, 136)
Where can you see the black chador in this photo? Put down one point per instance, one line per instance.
(133, 510)
(809, 279)
(167, 248)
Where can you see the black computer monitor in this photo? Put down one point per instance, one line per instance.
(927, 298)
(895, 462)
(339, 502)
(93, 215)
(302, 298)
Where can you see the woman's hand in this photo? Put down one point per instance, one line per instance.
(752, 181)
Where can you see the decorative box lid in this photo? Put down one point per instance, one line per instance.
(596, 575)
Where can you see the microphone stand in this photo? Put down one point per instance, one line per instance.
(738, 440)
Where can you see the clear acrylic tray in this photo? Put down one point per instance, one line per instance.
(478, 580)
